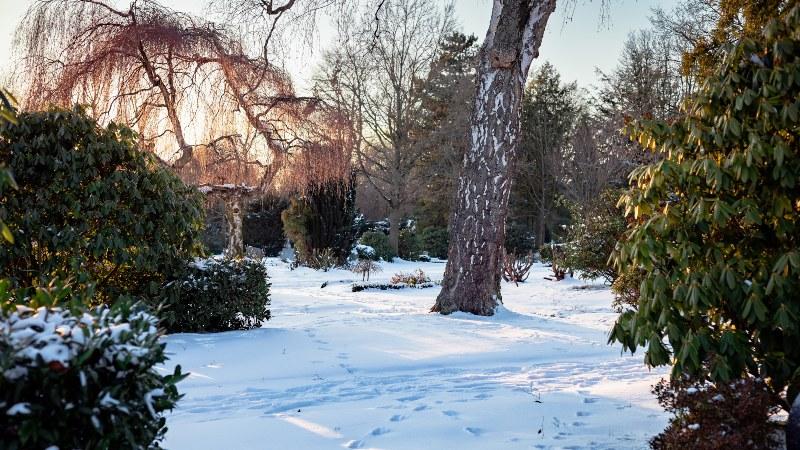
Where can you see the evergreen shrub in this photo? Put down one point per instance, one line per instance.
(217, 295)
(76, 378)
(92, 207)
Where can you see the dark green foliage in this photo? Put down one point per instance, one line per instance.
(322, 219)
(380, 244)
(717, 223)
(594, 233)
(101, 391)
(262, 225)
(447, 96)
(550, 109)
(218, 295)
(92, 207)
(410, 245)
(519, 239)
(435, 241)
(717, 417)
(546, 254)
(215, 228)
(626, 289)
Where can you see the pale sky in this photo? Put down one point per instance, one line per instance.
(575, 47)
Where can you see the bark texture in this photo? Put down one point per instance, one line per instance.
(233, 216)
(477, 225)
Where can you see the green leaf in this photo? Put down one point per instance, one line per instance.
(6, 232)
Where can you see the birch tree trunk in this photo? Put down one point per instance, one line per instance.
(477, 225)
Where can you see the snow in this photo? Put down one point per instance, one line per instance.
(54, 337)
(375, 369)
(19, 408)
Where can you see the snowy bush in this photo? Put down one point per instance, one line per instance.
(716, 417)
(362, 251)
(218, 295)
(80, 379)
(516, 268)
(380, 245)
(358, 287)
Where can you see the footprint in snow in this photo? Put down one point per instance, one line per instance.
(483, 396)
(410, 398)
(397, 418)
(354, 444)
(450, 413)
(583, 413)
(379, 431)
(590, 400)
(473, 431)
(421, 408)
(578, 424)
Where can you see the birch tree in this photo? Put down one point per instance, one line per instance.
(477, 226)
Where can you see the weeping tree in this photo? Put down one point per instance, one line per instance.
(199, 100)
(477, 226)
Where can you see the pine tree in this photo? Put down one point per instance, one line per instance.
(446, 100)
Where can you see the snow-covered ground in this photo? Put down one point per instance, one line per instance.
(373, 369)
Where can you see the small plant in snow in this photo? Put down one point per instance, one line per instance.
(365, 267)
(415, 278)
(72, 378)
(323, 260)
(517, 268)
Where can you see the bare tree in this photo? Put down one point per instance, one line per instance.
(375, 73)
(590, 168)
(477, 228)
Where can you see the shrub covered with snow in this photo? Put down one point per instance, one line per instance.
(379, 243)
(80, 379)
(218, 295)
(716, 416)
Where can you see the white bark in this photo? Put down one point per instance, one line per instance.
(477, 226)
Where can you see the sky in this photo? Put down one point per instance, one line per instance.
(577, 41)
